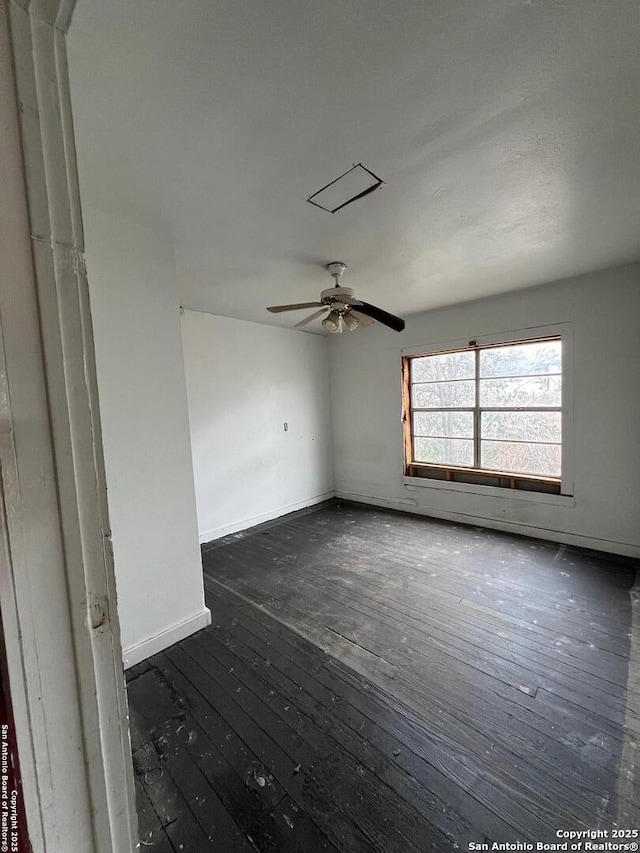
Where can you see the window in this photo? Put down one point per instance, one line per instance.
(486, 414)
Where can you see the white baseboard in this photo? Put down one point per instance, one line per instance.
(236, 527)
(152, 645)
(625, 549)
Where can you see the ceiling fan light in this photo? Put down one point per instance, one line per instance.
(351, 323)
(333, 323)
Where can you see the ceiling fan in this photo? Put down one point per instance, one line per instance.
(344, 310)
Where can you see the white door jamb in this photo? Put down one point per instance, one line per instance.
(57, 582)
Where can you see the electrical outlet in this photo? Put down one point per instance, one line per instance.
(286, 427)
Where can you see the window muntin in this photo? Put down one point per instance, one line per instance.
(493, 409)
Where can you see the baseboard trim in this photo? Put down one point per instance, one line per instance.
(159, 642)
(236, 527)
(624, 549)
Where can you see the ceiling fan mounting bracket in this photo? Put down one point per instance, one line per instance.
(336, 269)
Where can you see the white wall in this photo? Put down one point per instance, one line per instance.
(244, 381)
(146, 434)
(604, 311)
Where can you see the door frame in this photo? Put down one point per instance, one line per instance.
(57, 582)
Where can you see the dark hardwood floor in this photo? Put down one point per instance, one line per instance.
(376, 681)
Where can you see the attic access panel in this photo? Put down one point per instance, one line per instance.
(355, 183)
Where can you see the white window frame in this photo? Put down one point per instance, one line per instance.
(563, 331)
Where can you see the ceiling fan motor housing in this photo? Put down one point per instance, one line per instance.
(343, 295)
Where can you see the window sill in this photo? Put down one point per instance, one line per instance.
(489, 491)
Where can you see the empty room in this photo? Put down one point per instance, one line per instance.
(321, 483)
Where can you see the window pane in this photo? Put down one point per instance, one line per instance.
(522, 359)
(443, 395)
(437, 368)
(537, 391)
(446, 424)
(522, 426)
(520, 458)
(443, 451)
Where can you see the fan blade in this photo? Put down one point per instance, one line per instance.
(276, 309)
(381, 316)
(311, 317)
(362, 319)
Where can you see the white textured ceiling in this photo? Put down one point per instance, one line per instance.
(508, 134)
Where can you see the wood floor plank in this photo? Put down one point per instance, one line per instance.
(582, 686)
(170, 805)
(246, 765)
(375, 681)
(325, 733)
(411, 588)
(577, 652)
(312, 614)
(466, 554)
(556, 759)
(499, 788)
(261, 823)
(370, 808)
(465, 548)
(298, 832)
(591, 746)
(501, 637)
(432, 784)
(590, 637)
(492, 658)
(196, 788)
(608, 634)
(152, 836)
(454, 626)
(319, 803)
